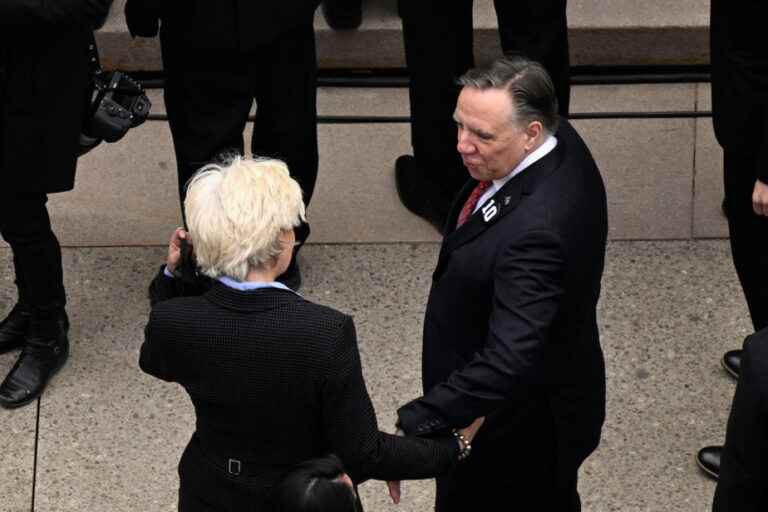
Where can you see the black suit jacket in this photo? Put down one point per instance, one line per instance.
(510, 330)
(235, 25)
(743, 483)
(44, 89)
(739, 57)
(275, 380)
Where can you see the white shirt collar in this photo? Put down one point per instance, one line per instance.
(246, 286)
(546, 147)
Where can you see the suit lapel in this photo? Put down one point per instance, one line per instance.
(504, 201)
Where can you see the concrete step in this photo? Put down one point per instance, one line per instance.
(616, 32)
(663, 175)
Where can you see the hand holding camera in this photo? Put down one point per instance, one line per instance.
(179, 239)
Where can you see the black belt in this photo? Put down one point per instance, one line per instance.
(234, 466)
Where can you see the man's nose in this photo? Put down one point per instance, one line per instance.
(464, 145)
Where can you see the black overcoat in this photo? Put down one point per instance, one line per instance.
(44, 85)
(510, 333)
(740, 79)
(743, 483)
(275, 380)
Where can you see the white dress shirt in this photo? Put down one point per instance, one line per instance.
(541, 152)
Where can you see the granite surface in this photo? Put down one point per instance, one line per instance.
(110, 436)
(647, 165)
(17, 426)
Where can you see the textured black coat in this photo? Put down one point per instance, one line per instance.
(43, 89)
(275, 380)
(740, 79)
(743, 483)
(510, 333)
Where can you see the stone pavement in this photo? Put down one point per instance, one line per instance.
(106, 437)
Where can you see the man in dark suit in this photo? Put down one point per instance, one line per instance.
(510, 330)
(740, 116)
(743, 483)
(438, 38)
(44, 92)
(220, 55)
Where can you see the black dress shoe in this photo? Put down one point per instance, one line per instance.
(731, 363)
(418, 195)
(708, 459)
(343, 14)
(13, 329)
(44, 353)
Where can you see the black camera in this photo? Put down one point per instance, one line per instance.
(118, 103)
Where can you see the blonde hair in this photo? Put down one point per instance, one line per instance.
(236, 213)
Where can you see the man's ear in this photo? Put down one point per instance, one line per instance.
(533, 131)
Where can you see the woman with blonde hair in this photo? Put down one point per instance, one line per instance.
(274, 378)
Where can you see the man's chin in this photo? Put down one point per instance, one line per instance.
(475, 172)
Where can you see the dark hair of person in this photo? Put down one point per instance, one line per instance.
(528, 83)
(314, 486)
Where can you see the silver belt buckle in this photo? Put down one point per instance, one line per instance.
(234, 467)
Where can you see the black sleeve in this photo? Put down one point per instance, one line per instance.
(164, 288)
(41, 13)
(743, 481)
(351, 427)
(152, 358)
(528, 288)
(762, 159)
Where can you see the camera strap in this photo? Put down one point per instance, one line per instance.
(94, 63)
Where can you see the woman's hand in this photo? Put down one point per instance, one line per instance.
(174, 249)
(470, 432)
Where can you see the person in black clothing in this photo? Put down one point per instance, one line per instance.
(438, 50)
(743, 483)
(317, 485)
(275, 379)
(740, 117)
(510, 328)
(220, 55)
(44, 92)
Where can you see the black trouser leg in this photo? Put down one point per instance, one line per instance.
(438, 49)
(25, 225)
(283, 77)
(538, 29)
(208, 108)
(748, 233)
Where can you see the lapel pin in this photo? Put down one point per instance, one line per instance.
(490, 210)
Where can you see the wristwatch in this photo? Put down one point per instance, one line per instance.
(465, 448)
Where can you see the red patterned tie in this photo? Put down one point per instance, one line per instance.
(474, 197)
